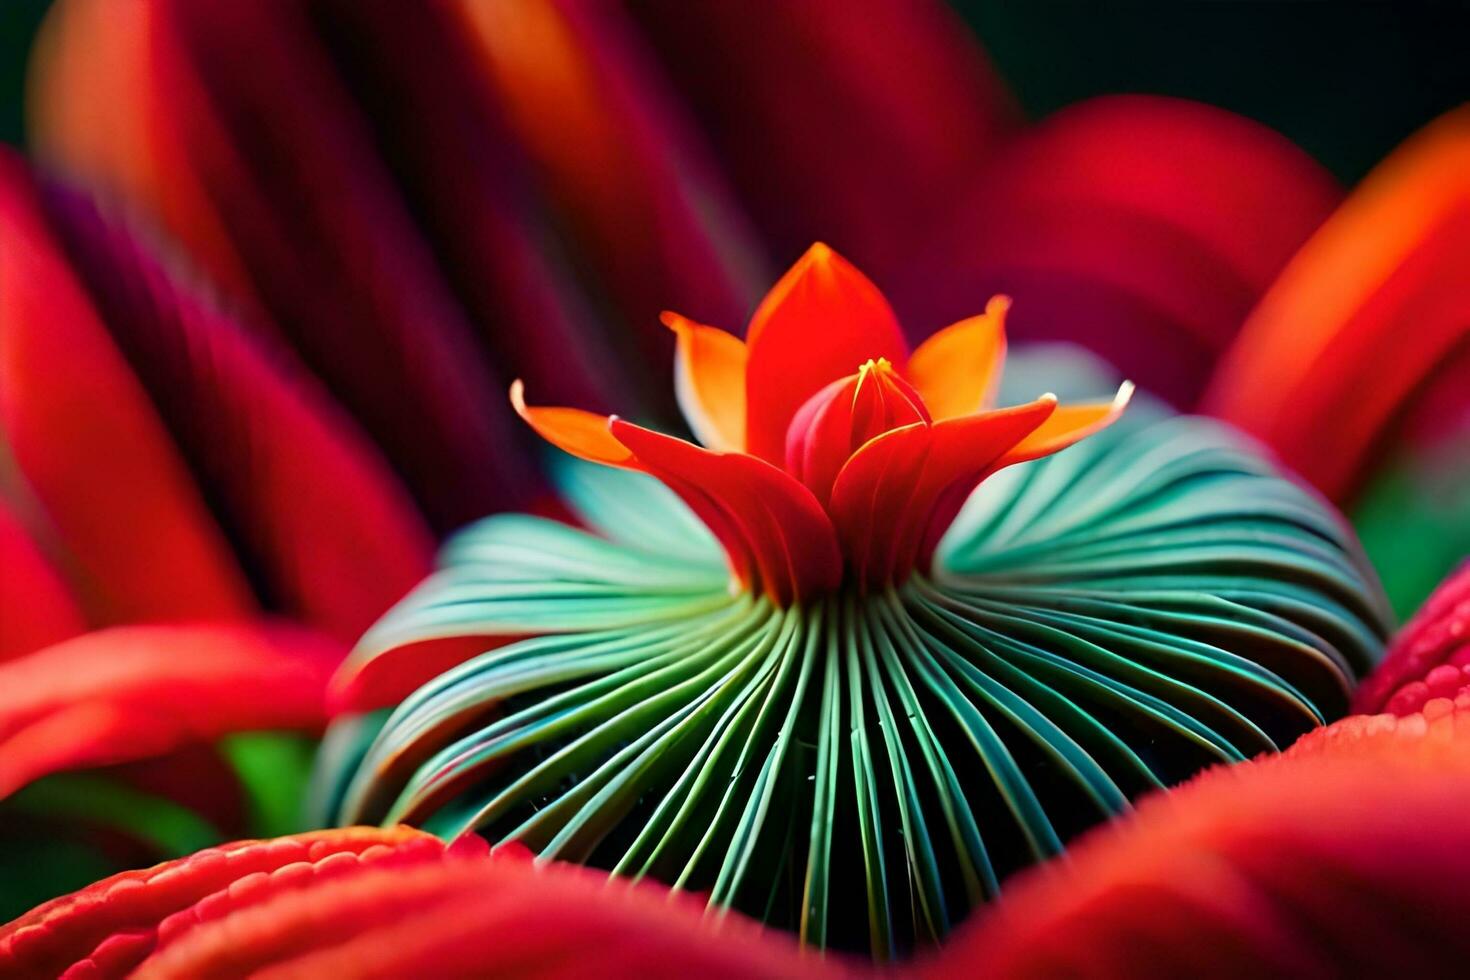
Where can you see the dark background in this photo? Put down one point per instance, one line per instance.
(1346, 81)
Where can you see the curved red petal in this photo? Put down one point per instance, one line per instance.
(36, 606)
(136, 691)
(820, 322)
(855, 122)
(779, 539)
(1430, 656)
(309, 503)
(137, 534)
(497, 917)
(884, 499)
(1141, 226)
(1368, 312)
(1347, 855)
(106, 929)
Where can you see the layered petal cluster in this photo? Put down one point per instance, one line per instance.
(866, 763)
(831, 454)
(175, 486)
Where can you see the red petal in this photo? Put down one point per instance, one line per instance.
(311, 505)
(110, 482)
(492, 917)
(136, 691)
(1347, 856)
(778, 537)
(855, 122)
(1140, 226)
(327, 239)
(1429, 658)
(820, 322)
(1369, 310)
(116, 922)
(36, 607)
(884, 499)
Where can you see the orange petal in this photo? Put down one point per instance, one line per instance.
(107, 928)
(583, 434)
(1363, 316)
(1069, 424)
(709, 378)
(821, 321)
(957, 370)
(132, 692)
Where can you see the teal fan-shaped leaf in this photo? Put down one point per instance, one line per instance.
(867, 768)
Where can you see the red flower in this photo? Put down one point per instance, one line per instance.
(817, 472)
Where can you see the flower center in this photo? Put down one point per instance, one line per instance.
(835, 422)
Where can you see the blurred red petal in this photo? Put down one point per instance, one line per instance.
(36, 607)
(106, 929)
(1348, 855)
(1430, 656)
(820, 322)
(131, 692)
(646, 211)
(479, 917)
(137, 534)
(310, 505)
(1373, 309)
(1141, 226)
(327, 239)
(857, 122)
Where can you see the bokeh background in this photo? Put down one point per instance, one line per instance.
(1346, 81)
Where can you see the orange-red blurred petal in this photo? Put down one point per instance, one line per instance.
(638, 194)
(131, 692)
(1142, 227)
(108, 928)
(494, 916)
(857, 122)
(585, 435)
(1430, 656)
(820, 321)
(111, 483)
(957, 370)
(36, 606)
(709, 379)
(1374, 304)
